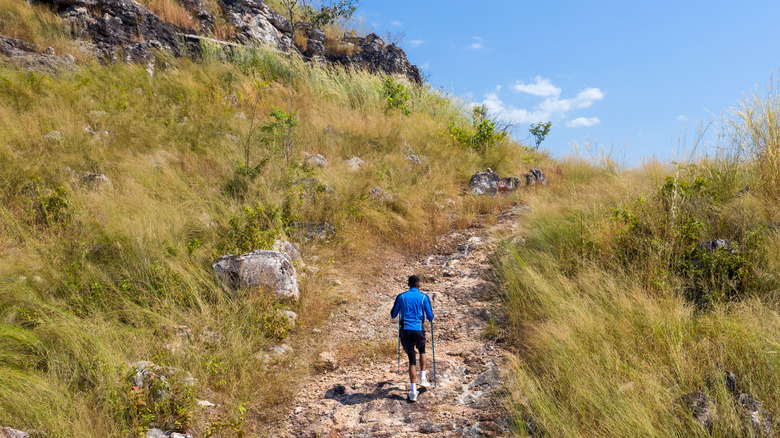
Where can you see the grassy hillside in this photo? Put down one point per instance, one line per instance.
(615, 311)
(97, 276)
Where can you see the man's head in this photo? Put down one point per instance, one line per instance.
(414, 281)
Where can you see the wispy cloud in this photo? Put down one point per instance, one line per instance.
(477, 42)
(541, 87)
(425, 65)
(416, 43)
(682, 118)
(548, 109)
(581, 122)
(396, 23)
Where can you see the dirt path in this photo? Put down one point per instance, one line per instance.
(369, 399)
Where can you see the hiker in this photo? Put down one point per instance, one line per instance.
(413, 307)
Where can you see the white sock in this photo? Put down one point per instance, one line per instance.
(422, 374)
(414, 387)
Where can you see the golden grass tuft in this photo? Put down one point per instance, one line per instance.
(171, 11)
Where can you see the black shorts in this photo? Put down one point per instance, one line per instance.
(411, 339)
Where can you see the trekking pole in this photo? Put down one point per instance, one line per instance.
(399, 349)
(433, 348)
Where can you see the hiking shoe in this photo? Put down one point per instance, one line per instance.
(424, 381)
(413, 395)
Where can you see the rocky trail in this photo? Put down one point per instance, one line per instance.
(368, 399)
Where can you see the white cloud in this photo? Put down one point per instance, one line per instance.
(682, 118)
(552, 106)
(425, 66)
(586, 97)
(395, 23)
(580, 122)
(415, 43)
(477, 44)
(541, 87)
(515, 115)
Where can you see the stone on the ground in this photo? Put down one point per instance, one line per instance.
(354, 163)
(702, 407)
(258, 269)
(315, 160)
(314, 230)
(210, 338)
(716, 244)
(95, 180)
(54, 137)
(281, 350)
(205, 404)
(290, 316)
(7, 432)
(509, 184)
(414, 159)
(756, 415)
(484, 183)
(148, 374)
(326, 361)
(288, 248)
(535, 176)
(379, 194)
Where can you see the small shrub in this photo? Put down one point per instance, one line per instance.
(484, 133)
(396, 95)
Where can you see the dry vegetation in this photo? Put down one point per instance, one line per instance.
(97, 278)
(615, 313)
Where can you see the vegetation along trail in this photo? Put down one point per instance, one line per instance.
(368, 397)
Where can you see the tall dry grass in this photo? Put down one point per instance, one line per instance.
(95, 279)
(608, 335)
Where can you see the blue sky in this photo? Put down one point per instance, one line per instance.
(633, 77)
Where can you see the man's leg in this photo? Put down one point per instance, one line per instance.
(422, 362)
(413, 373)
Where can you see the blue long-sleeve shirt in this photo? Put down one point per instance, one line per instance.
(413, 307)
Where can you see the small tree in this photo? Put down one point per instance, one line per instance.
(281, 130)
(327, 14)
(540, 131)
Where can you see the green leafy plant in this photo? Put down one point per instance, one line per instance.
(281, 130)
(328, 14)
(539, 131)
(484, 132)
(396, 95)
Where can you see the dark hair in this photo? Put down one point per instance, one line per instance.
(414, 281)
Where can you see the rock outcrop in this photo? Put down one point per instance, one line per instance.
(119, 28)
(126, 30)
(376, 56)
(28, 56)
(258, 269)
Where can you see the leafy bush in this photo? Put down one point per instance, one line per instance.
(484, 133)
(396, 95)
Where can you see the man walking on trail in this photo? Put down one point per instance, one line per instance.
(413, 307)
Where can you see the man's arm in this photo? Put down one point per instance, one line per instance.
(396, 309)
(427, 308)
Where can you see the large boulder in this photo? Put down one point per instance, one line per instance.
(484, 183)
(258, 269)
(489, 183)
